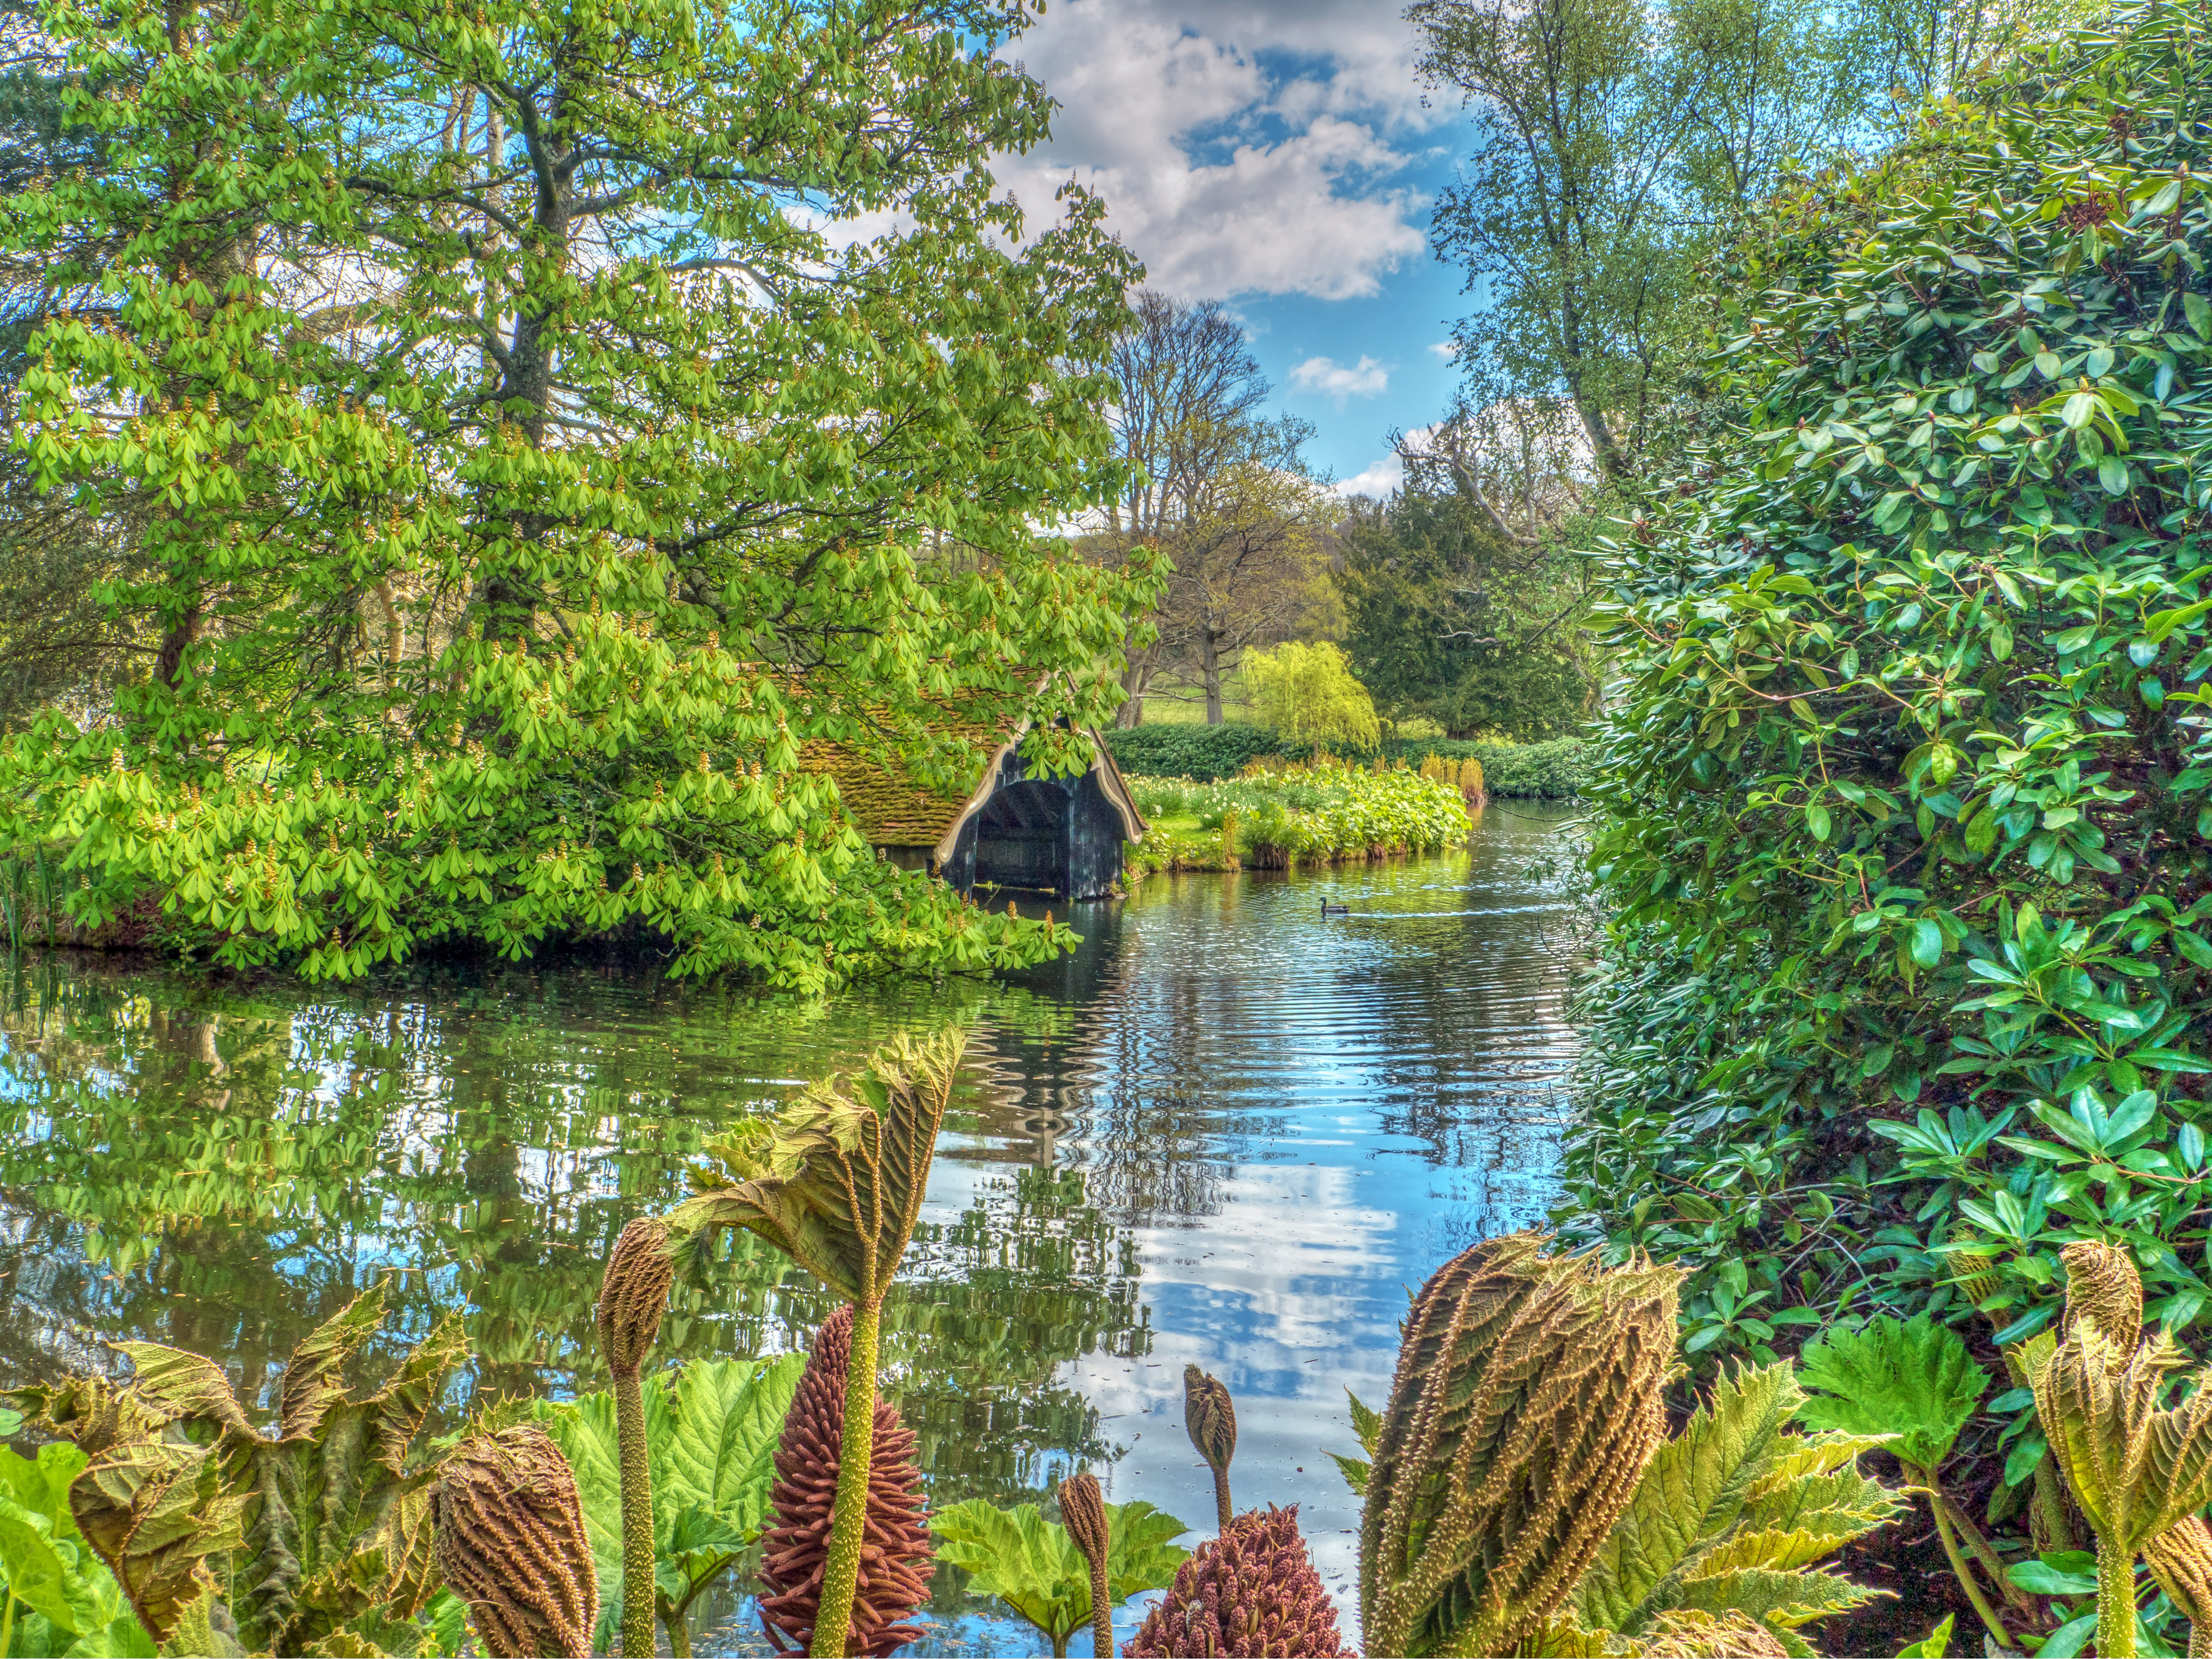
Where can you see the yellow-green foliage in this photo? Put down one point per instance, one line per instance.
(1036, 1567)
(1285, 815)
(1464, 775)
(1731, 1516)
(1310, 695)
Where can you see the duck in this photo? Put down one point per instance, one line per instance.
(1328, 909)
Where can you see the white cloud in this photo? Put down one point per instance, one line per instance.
(1378, 480)
(1227, 177)
(1365, 379)
(1445, 351)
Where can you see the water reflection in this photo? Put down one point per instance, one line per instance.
(1226, 1130)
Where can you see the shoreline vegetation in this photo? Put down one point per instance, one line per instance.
(1288, 815)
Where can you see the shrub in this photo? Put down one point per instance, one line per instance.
(1310, 694)
(1903, 803)
(1298, 814)
(1555, 770)
(1204, 752)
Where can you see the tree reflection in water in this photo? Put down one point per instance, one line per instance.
(220, 1169)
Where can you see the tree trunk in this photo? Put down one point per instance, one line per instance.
(1210, 662)
(1136, 680)
(169, 659)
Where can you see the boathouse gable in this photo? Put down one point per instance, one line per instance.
(1061, 835)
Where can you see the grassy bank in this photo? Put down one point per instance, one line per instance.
(1293, 815)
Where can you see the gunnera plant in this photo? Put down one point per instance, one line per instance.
(1253, 1591)
(894, 1572)
(351, 1564)
(1083, 1513)
(2137, 1470)
(1209, 1416)
(510, 1544)
(1524, 1408)
(835, 1183)
(632, 1299)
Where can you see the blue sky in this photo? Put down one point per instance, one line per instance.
(1275, 154)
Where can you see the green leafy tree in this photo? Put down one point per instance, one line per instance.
(1211, 481)
(531, 457)
(711, 1432)
(1447, 621)
(1615, 146)
(1032, 1565)
(1310, 695)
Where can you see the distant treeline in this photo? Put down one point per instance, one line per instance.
(1550, 771)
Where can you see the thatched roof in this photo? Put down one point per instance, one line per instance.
(893, 809)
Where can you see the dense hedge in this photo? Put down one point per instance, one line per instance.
(1549, 771)
(1553, 771)
(1205, 753)
(1904, 814)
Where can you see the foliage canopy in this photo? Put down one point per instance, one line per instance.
(528, 462)
(1446, 622)
(1310, 694)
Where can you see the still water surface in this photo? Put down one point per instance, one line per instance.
(1227, 1131)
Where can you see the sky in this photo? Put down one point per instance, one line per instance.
(1276, 155)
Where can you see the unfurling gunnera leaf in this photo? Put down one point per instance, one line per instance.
(1730, 1517)
(1523, 1413)
(1913, 1379)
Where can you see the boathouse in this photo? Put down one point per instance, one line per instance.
(1058, 836)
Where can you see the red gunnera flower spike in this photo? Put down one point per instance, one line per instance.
(1250, 1594)
(897, 1555)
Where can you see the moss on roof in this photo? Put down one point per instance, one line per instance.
(889, 806)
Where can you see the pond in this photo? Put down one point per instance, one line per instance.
(1227, 1130)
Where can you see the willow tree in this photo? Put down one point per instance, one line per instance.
(543, 422)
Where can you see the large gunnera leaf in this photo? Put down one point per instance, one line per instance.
(710, 1438)
(1033, 1566)
(1913, 1379)
(70, 1603)
(322, 1519)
